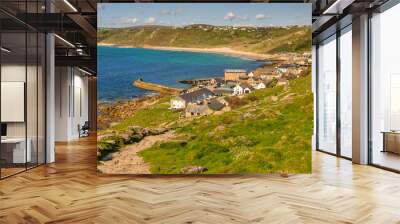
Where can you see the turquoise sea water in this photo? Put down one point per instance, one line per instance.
(119, 67)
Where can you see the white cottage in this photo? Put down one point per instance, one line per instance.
(250, 75)
(260, 85)
(237, 90)
(177, 103)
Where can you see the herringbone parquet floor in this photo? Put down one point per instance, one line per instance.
(70, 191)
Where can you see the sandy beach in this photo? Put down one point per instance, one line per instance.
(222, 50)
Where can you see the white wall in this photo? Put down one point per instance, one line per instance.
(10, 73)
(62, 82)
(16, 73)
(71, 103)
(80, 110)
(33, 126)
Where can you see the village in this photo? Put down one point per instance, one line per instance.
(209, 96)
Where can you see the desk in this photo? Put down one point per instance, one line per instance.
(15, 148)
(391, 141)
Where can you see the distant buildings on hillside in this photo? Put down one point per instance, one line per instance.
(207, 97)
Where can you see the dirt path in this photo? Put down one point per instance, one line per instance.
(127, 161)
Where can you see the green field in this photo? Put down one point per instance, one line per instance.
(260, 40)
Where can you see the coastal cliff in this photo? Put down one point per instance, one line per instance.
(156, 87)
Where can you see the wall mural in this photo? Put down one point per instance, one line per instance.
(204, 88)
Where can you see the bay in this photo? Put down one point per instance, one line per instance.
(119, 67)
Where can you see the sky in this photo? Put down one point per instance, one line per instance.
(220, 14)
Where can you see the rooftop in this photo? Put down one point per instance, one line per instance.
(235, 70)
(197, 95)
(245, 85)
(288, 65)
(196, 109)
(216, 105)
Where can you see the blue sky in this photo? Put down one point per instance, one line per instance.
(180, 14)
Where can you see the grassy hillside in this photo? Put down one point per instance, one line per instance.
(150, 116)
(268, 131)
(260, 40)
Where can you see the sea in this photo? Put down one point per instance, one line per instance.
(119, 67)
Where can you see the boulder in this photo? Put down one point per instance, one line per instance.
(145, 131)
(156, 131)
(110, 141)
(135, 138)
(193, 170)
(105, 136)
(107, 157)
(219, 128)
(126, 137)
(135, 128)
(247, 115)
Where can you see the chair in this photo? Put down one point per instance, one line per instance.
(84, 130)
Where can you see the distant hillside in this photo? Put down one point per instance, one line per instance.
(266, 40)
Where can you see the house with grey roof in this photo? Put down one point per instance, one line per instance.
(197, 110)
(204, 109)
(223, 91)
(194, 97)
(215, 105)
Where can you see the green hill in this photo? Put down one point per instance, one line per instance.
(249, 39)
(269, 131)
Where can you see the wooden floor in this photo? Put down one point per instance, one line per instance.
(70, 191)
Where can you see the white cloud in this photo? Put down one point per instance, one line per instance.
(230, 16)
(260, 16)
(131, 20)
(171, 12)
(150, 20)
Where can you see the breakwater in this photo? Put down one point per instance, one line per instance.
(156, 87)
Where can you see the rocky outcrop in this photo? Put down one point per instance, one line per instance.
(193, 170)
